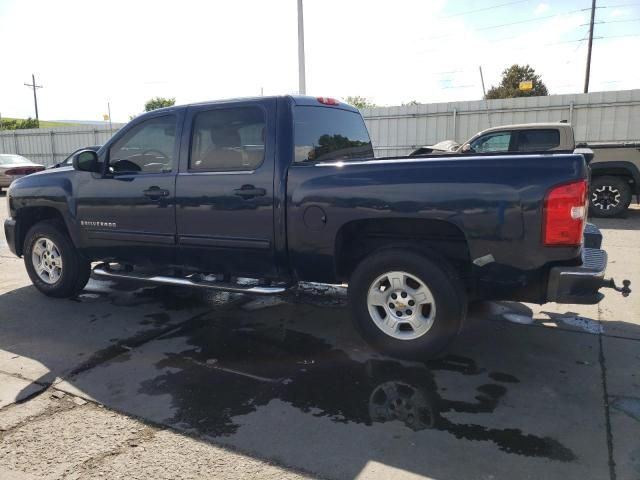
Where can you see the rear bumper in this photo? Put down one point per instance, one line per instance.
(579, 284)
(10, 234)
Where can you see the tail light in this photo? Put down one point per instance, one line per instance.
(328, 101)
(565, 213)
(23, 170)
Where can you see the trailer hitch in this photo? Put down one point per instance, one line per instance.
(624, 290)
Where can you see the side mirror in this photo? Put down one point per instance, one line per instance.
(86, 161)
(466, 148)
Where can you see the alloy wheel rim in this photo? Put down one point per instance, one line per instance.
(605, 197)
(47, 260)
(401, 305)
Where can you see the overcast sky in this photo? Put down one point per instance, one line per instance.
(86, 52)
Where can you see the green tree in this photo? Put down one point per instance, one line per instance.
(15, 124)
(509, 86)
(159, 102)
(359, 102)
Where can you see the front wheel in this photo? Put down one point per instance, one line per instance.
(54, 265)
(405, 304)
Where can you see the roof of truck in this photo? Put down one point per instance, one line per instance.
(527, 126)
(304, 100)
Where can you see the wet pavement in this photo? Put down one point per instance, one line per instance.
(526, 392)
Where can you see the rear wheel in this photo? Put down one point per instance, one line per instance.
(54, 265)
(609, 196)
(406, 304)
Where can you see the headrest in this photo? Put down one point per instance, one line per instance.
(225, 137)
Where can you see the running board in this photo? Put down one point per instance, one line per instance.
(103, 270)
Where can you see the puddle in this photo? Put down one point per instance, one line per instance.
(233, 370)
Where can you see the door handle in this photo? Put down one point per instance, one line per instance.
(249, 191)
(155, 193)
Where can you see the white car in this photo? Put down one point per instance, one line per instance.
(15, 166)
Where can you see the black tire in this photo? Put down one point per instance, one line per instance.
(439, 277)
(609, 196)
(75, 269)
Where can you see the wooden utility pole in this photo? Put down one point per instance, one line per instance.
(484, 97)
(35, 97)
(588, 71)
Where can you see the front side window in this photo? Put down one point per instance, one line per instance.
(326, 134)
(538, 140)
(147, 148)
(228, 139)
(492, 142)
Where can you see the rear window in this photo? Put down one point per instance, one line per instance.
(538, 140)
(325, 134)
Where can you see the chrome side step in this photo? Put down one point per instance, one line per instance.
(104, 270)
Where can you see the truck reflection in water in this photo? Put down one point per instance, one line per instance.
(235, 368)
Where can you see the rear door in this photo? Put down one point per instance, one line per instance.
(224, 189)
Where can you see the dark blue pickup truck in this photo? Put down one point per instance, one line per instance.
(286, 189)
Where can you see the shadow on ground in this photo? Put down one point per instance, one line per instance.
(629, 220)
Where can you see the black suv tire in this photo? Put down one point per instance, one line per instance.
(406, 325)
(609, 196)
(64, 271)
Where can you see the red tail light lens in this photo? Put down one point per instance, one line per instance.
(565, 213)
(328, 101)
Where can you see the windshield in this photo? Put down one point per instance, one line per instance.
(12, 160)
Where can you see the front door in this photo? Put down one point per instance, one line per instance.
(128, 213)
(224, 190)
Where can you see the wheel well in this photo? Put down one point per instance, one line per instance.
(622, 172)
(29, 216)
(355, 240)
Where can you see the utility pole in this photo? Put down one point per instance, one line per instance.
(484, 92)
(484, 96)
(588, 72)
(302, 87)
(109, 113)
(35, 97)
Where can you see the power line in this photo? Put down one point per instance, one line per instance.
(621, 21)
(546, 17)
(621, 5)
(469, 12)
(502, 25)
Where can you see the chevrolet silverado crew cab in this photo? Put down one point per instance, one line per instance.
(615, 166)
(286, 189)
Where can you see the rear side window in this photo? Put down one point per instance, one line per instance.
(538, 140)
(228, 139)
(325, 133)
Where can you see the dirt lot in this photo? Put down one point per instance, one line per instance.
(130, 381)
